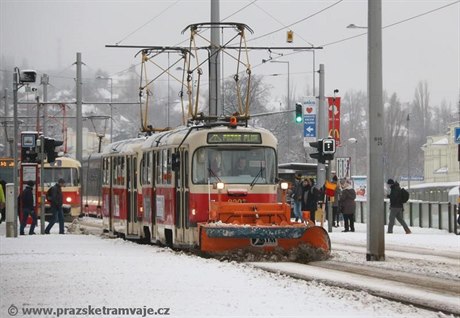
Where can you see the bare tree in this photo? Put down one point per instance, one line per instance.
(395, 138)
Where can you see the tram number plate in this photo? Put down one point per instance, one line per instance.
(261, 242)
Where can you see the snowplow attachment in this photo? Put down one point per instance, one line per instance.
(216, 238)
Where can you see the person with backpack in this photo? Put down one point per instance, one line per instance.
(54, 195)
(396, 206)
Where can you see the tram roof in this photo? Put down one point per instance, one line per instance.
(177, 135)
(124, 146)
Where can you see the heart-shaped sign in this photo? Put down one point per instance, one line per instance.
(309, 109)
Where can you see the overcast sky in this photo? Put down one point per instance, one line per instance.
(48, 34)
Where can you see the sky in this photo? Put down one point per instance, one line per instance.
(44, 35)
(76, 271)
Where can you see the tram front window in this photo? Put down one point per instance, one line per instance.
(52, 175)
(212, 164)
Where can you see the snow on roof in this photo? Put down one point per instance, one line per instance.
(442, 141)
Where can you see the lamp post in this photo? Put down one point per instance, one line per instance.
(111, 106)
(408, 153)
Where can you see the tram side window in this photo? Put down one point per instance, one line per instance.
(105, 171)
(158, 165)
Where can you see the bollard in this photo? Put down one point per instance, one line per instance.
(11, 213)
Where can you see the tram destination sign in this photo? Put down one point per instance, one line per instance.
(234, 137)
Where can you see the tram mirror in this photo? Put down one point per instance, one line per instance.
(175, 161)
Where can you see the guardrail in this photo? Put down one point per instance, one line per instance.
(425, 214)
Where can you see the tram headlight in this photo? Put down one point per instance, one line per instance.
(220, 185)
(68, 199)
(284, 185)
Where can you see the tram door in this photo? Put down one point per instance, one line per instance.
(131, 169)
(182, 201)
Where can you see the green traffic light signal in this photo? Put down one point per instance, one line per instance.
(298, 113)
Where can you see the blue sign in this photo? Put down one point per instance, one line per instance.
(457, 135)
(309, 126)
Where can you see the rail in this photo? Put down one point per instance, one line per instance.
(424, 214)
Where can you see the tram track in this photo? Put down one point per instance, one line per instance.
(428, 291)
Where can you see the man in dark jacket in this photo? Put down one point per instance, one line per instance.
(396, 207)
(55, 198)
(28, 208)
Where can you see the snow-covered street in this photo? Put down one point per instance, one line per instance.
(72, 274)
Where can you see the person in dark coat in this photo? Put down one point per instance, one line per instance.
(56, 206)
(396, 207)
(28, 208)
(297, 197)
(311, 196)
(348, 205)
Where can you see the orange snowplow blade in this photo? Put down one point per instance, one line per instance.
(261, 226)
(215, 238)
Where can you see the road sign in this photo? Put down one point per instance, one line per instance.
(343, 167)
(457, 135)
(309, 120)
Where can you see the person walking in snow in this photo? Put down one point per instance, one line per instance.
(55, 198)
(396, 207)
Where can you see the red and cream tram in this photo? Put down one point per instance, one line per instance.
(212, 186)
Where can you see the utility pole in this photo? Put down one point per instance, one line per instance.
(215, 107)
(375, 203)
(79, 126)
(322, 126)
(44, 82)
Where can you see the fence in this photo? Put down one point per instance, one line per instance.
(425, 214)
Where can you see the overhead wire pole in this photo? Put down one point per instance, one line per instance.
(214, 63)
(322, 123)
(79, 124)
(375, 201)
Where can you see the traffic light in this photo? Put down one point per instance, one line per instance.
(319, 147)
(298, 113)
(325, 148)
(329, 146)
(50, 145)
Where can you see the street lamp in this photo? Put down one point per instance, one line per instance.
(353, 141)
(353, 26)
(111, 106)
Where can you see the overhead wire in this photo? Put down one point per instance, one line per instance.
(296, 22)
(146, 23)
(393, 24)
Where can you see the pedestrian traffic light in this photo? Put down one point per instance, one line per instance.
(298, 113)
(325, 148)
(329, 146)
(50, 145)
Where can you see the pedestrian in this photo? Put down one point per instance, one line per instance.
(297, 197)
(28, 208)
(2, 201)
(311, 196)
(396, 207)
(335, 203)
(348, 205)
(54, 195)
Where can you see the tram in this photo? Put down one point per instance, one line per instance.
(69, 170)
(211, 186)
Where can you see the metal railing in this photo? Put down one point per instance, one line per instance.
(424, 214)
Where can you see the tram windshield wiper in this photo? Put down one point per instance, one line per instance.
(211, 172)
(257, 177)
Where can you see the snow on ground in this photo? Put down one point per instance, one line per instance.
(78, 271)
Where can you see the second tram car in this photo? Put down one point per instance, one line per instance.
(69, 170)
(213, 186)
